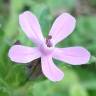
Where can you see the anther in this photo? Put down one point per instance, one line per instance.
(48, 41)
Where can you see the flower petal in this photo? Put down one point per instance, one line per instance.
(72, 55)
(23, 54)
(31, 27)
(62, 27)
(50, 70)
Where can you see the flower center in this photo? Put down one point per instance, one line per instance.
(48, 41)
(47, 48)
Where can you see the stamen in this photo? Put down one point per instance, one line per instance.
(48, 41)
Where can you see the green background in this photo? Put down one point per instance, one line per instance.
(78, 80)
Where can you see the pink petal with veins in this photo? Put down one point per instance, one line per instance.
(72, 55)
(31, 27)
(23, 54)
(62, 27)
(50, 70)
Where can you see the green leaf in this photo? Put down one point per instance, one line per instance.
(77, 90)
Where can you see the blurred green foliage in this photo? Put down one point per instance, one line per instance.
(78, 80)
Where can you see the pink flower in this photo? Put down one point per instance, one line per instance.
(45, 47)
